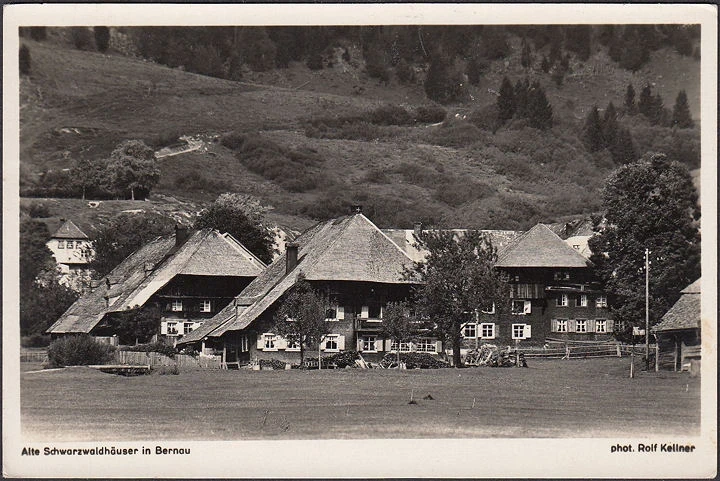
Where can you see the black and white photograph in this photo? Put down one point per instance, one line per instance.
(399, 240)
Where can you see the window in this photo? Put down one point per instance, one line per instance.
(489, 310)
(374, 311)
(601, 301)
(331, 342)
(581, 300)
(576, 247)
(172, 328)
(600, 325)
(470, 330)
(561, 325)
(425, 345)
(61, 244)
(69, 244)
(187, 327)
(292, 345)
(331, 314)
(561, 275)
(521, 307)
(562, 300)
(404, 346)
(205, 306)
(244, 345)
(520, 331)
(176, 305)
(368, 343)
(269, 344)
(517, 278)
(581, 325)
(487, 331)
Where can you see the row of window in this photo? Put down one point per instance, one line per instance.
(336, 342)
(489, 330)
(582, 325)
(563, 300)
(177, 306)
(174, 328)
(62, 244)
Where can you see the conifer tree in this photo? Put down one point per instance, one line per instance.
(645, 103)
(506, 101)
(526, 55)
(623, 149)
(592, 132)
(681, 112)
(545, 64)
(539, 110)
(609, 126)
(520, 93)
(630, 106)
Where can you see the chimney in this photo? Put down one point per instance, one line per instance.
(181, 234)
(291, 256)
(356, 209)
(417, 228)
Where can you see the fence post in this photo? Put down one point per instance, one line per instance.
(632, 364)
(657, 356)
(619, 352)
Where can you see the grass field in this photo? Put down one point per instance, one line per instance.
(552, 398)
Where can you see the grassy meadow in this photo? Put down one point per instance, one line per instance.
(551, 398)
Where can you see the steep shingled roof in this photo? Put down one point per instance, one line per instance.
(346, 249)
(147, 270)
(69, 231)
(685, 313)
(407, 241)
(540, 247)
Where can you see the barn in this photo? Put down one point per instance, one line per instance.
(678, 332)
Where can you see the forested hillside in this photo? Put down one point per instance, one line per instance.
(478, 126)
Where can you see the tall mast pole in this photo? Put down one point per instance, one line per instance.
(647, 310)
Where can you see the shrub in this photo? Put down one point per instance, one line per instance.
(35, 340)
(486, 118)
(430, 114)
(390, 115)
(195, 181)
(342, 359)
(458, 192)
(159, 347)
(81, 38)
(165, 139)
(233, 140)
(102, 38)
(273, 363)
(315, 61)
(38, 210)
(80, 350)
(456, 134)
(415, 360)
(165, 370)
(404, 72)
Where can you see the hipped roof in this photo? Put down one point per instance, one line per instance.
(410, 244)
(147, 270)
(350, 248)
(69, 231)
(685, 313)
(540, 247)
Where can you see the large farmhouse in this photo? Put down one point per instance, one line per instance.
(189, 277)
(360, 269)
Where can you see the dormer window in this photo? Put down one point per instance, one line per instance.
(61, 244)
(176, 305)
(561, 275)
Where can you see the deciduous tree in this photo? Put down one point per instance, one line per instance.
(650, 204)
(132, 168)
(399, 324)
(242, 218)
(301, 316)
(457, 278)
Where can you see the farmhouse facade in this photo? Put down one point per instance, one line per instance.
(678, 332)
(70, 247)
(352, 261)
(188, 277)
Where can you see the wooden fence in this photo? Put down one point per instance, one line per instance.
(577, 350)
(157, 359)
(33, 355)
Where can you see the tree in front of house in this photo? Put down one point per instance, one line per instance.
(301, 317)
(241, 217)
(681, 112)
(124, 235)
(132, 169)
(456, 279)
(649, 204)
(399, 324)
(137, 326)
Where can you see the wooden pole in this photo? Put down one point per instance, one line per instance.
(657, 355)
(647, 309)
(632, 364)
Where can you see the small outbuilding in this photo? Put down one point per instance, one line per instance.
(678, 332)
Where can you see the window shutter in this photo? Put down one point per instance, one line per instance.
(610, 325)
(388, 344)
(438, 346)
(322, 343)
(359, 344)
(527, 307)
(527, 332)
(280, 343)
(379, 345)
(365, 312)
(341, 343)
(591, 325)
(168, 306)
(554, 325)
(340, 313)
(163, 327)
(572, 325)
(260, 342)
